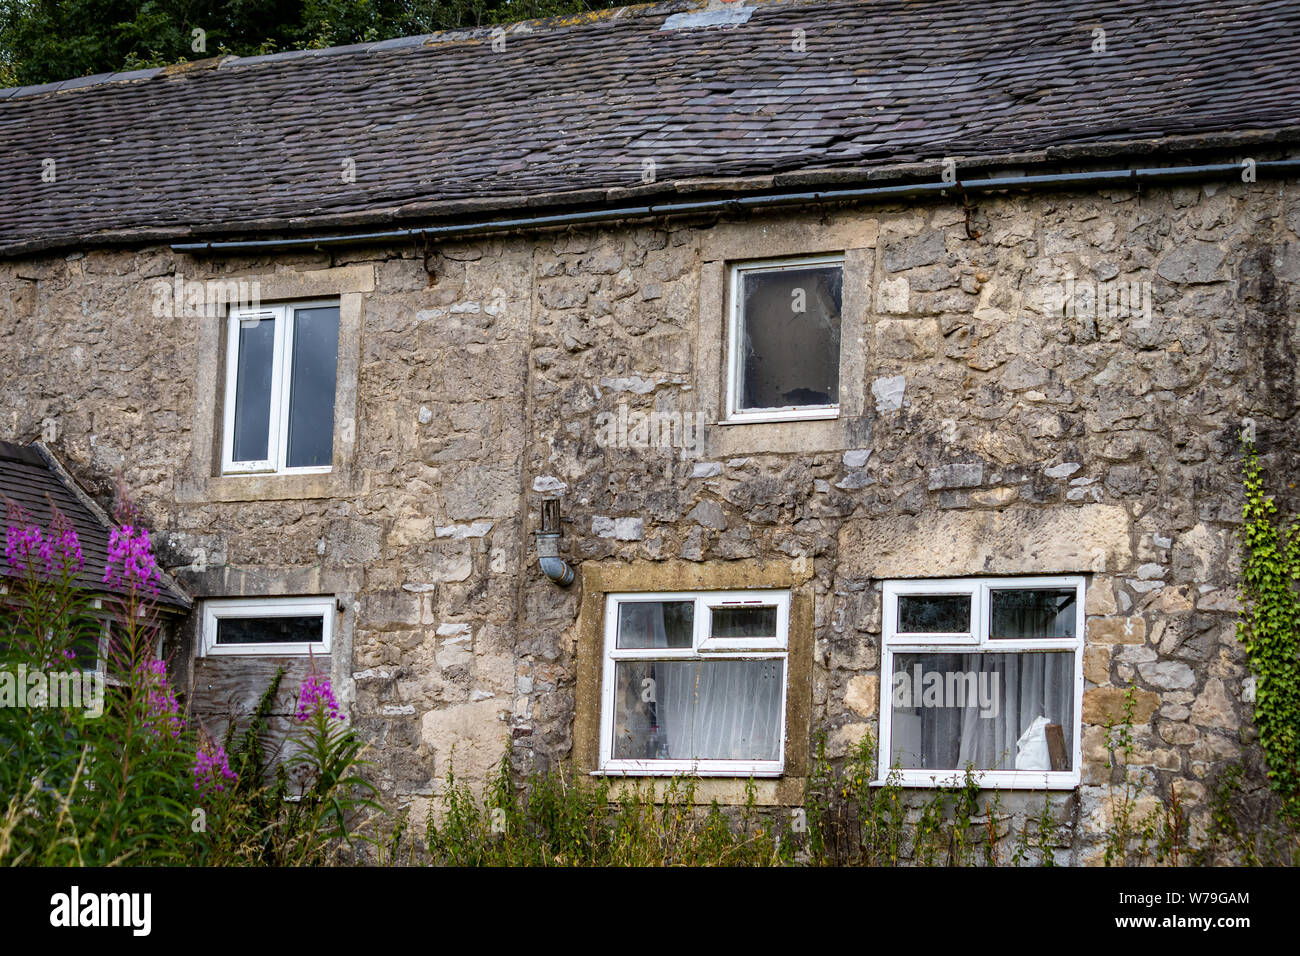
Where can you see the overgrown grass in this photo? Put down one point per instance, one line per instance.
(557, 818)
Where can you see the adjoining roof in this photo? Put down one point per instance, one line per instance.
(37, 482)
(588, 108)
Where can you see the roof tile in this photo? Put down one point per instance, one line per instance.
(578, 104)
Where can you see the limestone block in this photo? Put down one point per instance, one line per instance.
(470, 736)
(1213, 707)
(1116, 630)
(1107, 703)
(862, 695)
(1016, 540)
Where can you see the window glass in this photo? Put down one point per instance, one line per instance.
(790, 337)
(84, 633)
(269, 630)
(1005, 706)
(934, 613)
(751, 621)
(253, 389)
(311, 390)
(1003, 711)
(1031, 613)
(655, 623)
(85, 651)
(698, 710)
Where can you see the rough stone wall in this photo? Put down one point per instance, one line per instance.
(994, 432)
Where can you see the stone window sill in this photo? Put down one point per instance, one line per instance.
(269, 487)
(727, 791)
(802, 436)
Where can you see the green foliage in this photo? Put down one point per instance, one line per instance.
(302, 809)
(557, 819)
(46, 40)
(1270, 631)
(79, 787)
(121, 783)
(561, 820)
(1144, 828)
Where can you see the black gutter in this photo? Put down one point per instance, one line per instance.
(1116, 177)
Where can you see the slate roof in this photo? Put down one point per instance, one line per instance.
(34, 482)
(570, 110)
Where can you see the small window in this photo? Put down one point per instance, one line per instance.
(271, 626)
(984, 674)
(785, 340)
(281, 364)
(695, 683)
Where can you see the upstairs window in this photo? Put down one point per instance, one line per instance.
(281, 366)
(985, 674)
(784, 339)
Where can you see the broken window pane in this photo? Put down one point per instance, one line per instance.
(934, 613)
(790, 337)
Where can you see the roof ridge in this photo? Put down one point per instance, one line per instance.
(666, 8)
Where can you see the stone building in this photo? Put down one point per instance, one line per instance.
(847, 340)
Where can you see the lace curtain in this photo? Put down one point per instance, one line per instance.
(974, 709)
(692, 709)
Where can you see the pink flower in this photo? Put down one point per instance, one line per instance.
(58, 552)
(22, 540)
(316, 694)
(130, 560)
(212, 768)
(61, 551)
(162, 711)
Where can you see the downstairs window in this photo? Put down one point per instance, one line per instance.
(695, 682)
(269, 626)
(984, 674)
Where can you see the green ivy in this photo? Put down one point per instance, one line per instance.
(1270, 630)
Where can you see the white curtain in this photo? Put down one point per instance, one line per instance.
(1014, 689)
(1031, 686)
(719, 709)
(698, 710)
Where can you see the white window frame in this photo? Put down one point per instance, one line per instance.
(282, 355)
(103, 647)
(735, 415)
(214, 610)
(978, 641)
(703, 647)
